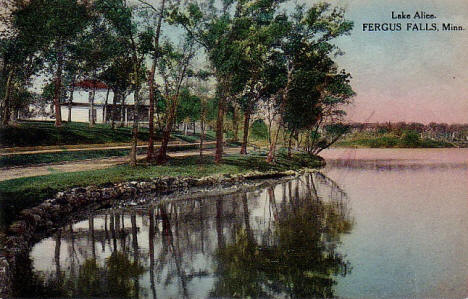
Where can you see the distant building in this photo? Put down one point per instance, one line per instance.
(102, 108)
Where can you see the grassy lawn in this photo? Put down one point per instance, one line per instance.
(19, 160)
(195, 138)
(18, 194)
(36, 133)
(66, 156)
(43, 133)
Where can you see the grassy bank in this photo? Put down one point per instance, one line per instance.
(18, 194)
(389, 140)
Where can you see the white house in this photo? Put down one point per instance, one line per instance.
(82, 95)
(103, 105)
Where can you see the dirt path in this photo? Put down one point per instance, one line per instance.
(30, 171)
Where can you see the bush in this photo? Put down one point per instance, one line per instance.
(410, 139)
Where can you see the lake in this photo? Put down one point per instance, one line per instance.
(373, 223)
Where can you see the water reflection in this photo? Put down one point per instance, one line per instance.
(282, 240)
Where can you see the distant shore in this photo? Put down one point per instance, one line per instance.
(390, 140)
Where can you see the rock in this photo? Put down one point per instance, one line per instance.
(30, 217)
(18, 227)
(5, 278)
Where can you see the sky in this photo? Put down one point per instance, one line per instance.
(407, 76)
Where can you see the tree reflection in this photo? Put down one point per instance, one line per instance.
(300, 257)
(290, 250)
(116, 278)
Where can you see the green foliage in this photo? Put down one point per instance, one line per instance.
(408, 139)
(189, 106)
(298, 256)
(259, 130)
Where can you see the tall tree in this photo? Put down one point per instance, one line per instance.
(173, 68)
(20, 46)
(151, 80)
(299, 54)
(116, 77)
(136, 37)
(219, 31)
(57, 23)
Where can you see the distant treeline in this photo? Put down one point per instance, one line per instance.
(400, 127)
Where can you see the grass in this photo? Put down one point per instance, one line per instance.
(195, 138)
(39, 133)
(67, 156)
(31, 159)
(22, 193)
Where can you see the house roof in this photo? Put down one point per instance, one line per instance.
(89, 84)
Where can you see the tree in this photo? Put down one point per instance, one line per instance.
(151, 80)
(117, 78)
(188, 110)
(97, 47)
(173, 68)
(55, 23)
(19, 48)
(219, 31)
(301, 61)
(136, 38)
(265, 29)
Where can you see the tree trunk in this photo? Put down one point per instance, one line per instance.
(14, 115)
(133, 151)
(6, 101)
(150, 153)
(122, 111)
(70, 100)
(245, 138)
(290, 144)
(272, 151)
(104, 109)
(114, 110)
(58, 89)
(202, 138)
(92, 121)
(162, 154)
(219, 130)
(202, 128)
(235, 125)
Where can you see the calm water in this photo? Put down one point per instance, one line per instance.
(373, 223)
